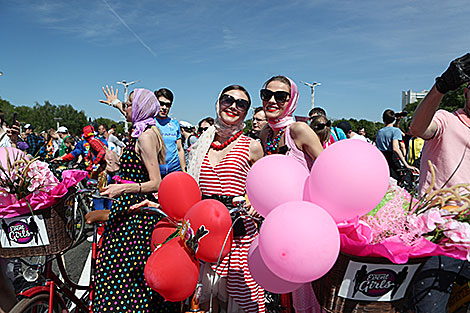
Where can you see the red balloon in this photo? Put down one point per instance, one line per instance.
(162, 231)
(215, 218)
(172, 272)
(177, 193)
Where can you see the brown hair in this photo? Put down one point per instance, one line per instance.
(161, 151)
(322, 127)
(278, 78)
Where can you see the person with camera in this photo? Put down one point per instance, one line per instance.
(447, 146)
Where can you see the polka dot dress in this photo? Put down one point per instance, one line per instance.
(120, 284)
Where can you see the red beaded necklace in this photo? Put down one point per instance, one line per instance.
(220, 146)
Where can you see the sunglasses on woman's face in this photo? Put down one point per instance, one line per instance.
(241, 104)
(322, 125)
(279, 96)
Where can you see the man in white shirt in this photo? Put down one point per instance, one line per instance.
(114, 143)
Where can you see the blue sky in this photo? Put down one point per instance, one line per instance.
(363, 52)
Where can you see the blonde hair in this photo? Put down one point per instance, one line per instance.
(161, 152)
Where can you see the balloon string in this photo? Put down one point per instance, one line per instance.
(241, 209)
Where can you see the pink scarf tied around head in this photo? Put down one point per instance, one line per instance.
(202, 145)
(145, 107)
(286, 117)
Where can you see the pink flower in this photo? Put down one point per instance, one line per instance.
(432, 218)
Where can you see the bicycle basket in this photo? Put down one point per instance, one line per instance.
(366, 284)
(45, 233)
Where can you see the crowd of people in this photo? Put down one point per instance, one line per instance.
(218, 154)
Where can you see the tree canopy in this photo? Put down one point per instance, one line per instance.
(45, 116)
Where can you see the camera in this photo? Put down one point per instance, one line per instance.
(401, 114)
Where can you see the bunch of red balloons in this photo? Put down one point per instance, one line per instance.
(194, 230)
(299, 241)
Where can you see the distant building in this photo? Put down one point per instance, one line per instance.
(410, 96)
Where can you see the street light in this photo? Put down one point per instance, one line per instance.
(57, 119)
(312, 87)
(126, 84)
(1, 73)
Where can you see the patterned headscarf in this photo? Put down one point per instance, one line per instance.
(286, 117)
(203, 144)
(145, 107)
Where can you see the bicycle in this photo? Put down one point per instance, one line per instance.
(57, 293)
(77, 201)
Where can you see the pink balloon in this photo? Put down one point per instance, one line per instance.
(265, 277)
(274, 180)
(348, 179)
(299, 241)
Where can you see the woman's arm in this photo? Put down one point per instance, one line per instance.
(256, 151)
(306, 140)
(146, 147)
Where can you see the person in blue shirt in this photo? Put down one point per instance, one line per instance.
(388, 142)
(171, 133)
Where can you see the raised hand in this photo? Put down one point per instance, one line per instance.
(456, 74)
(111, 96)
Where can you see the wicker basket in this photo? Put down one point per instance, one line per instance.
(335, 295)
(57, 222)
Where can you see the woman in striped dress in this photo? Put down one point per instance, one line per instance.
(220, 161)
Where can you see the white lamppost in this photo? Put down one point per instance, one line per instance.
(126, 84)
(57, 119)
(312, 87)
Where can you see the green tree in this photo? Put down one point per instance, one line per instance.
(450, 102)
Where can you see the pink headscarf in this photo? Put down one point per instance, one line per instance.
(145, 107)
(286, 117)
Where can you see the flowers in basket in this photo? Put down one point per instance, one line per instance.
(28, 185)
(21, 176)
(401, 226)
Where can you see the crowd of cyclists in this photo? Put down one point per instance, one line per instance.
(218, 153)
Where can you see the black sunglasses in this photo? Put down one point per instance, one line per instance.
(241, 104)
(279, 96)
(167, 104)
(202, 129)
(320, 126)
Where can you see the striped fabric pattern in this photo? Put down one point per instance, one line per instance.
(228, 178)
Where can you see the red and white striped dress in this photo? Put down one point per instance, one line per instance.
(228, 178)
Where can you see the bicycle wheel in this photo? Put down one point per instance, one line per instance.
(75, 216)
(38, 304)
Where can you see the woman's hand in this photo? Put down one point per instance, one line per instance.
(111, 97)
(113, 190)
(144, 204)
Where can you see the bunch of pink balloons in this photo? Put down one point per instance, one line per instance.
(299, 240)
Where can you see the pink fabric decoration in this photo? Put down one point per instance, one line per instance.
(119, 180)
(43, 200)
(356, 238)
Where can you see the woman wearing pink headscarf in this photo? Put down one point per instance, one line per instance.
(120, 283)
(282, 134)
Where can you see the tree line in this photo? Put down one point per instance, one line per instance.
(45, 116)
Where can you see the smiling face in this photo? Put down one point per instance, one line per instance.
(273, 108)
(231, 114)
